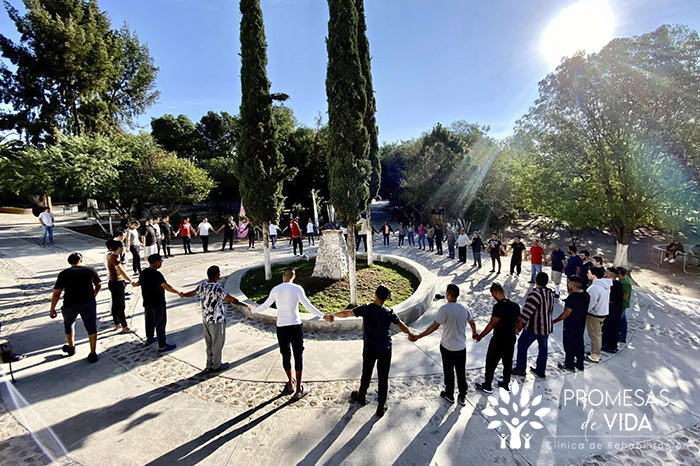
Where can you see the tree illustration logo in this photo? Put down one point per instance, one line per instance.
(515, 416)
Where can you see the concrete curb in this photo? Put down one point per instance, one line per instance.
(408, 311)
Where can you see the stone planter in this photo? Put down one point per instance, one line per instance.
(408, 311)
(332, 256)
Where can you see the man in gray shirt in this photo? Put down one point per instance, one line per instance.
(453, 344)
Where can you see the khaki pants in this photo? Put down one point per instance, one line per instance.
(594, 325)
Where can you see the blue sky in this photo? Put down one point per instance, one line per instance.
(433, 61)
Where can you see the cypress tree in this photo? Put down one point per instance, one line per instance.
(370, 117)
(261, 169)
(348, 139)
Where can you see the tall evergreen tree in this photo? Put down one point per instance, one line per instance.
(370, 118)
(348, 139)
(70, 73)
(261, 169)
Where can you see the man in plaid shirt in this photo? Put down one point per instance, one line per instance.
(536, 318)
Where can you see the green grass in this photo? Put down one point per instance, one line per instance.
(334, 295)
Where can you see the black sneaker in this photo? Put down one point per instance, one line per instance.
(69, 350)
(482, 387)
(381, 411)
(92, 358)
(357, 398)
(534, 371)
(504, 386)
(563, 367)
(462, 399)
(518, 372)
(222, 367)
(449, 398)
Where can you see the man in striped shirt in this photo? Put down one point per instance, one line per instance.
(536, 318)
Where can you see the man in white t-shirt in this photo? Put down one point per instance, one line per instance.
(310, 231)
(287, 297)
(47, 221)
(203, 232)
(454, 317)
(273, 234)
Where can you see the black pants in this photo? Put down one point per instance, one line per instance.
(516, 264)
(156, 319)
(228, 238)
(401, 238)
(298, 242)
(251, 239)
(116, 290)
(383, 361)
(454, 361)
(499, 350)
(611, 329)
(166, 248)
(360, 238)
(477, 257)
(187, 244)
(438, 246)
(159, 246)
(494, 261)
(137, 258)
(462, 254)
(291, 339)
(205, 242)
(573, 345)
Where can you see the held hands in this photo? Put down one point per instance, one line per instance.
(329, 318)
(413, 337)
(181, 294)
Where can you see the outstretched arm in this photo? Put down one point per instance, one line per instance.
(169, 288)
(307, 304)
(268, 302)
(492, 323)
(230, 299)
(427, 331)
(348, 313)
(189, 294)
(405, 329)
(563, 316)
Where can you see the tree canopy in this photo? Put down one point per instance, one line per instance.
(71, 73)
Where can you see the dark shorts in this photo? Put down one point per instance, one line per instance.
(87, 312)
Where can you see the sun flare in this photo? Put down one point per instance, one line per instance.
(587, 25)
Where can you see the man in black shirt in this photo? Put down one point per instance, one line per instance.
(611, 326)
(494, 248)
(377, 344)
(167, 231)
(574, 317)
(516, 261)
(153, 286)
(504, 319)
(81, 284)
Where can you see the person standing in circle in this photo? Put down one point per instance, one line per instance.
(117, 285)
(134, 244)
(203, 230)
(167, 231)
(186, 232)
(230, 229)
(81, 285)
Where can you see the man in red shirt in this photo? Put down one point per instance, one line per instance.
(296, 236)
(536, 255)
(186, 231)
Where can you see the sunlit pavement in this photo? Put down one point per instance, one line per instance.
(137, 407)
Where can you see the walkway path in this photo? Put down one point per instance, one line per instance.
(136, 407)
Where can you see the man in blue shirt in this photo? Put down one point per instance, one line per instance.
(573, 263)
(557, 259)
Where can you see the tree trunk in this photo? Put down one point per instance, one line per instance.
(352, 270)
(266, 251)
(109, 216)
(370, 243)
(623, 235)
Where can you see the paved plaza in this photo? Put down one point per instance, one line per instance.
(136, 407)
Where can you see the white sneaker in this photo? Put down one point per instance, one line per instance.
(672, 261)
(666, 259)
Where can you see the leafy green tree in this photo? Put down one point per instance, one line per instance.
(261, 169)
(598, 150)
(176, 134)
(348, 140)
(370, 120)
(216, 136)
(71, 73)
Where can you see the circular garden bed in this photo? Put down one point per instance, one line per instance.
(330, 295)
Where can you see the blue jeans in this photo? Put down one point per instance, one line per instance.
(386, 239)
(623, 326)
(273, 238)
(310, 237)
(430, 243)
(524, 342)
(411, 239)
(421, 241)
(536, 268)
(47, 231)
